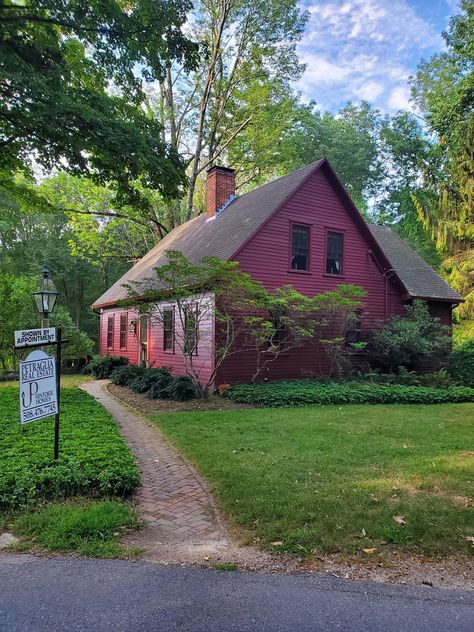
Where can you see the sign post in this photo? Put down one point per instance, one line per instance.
(40, 377)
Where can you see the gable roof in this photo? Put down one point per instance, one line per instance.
(220, 237)
(224, 235)
(419, 278)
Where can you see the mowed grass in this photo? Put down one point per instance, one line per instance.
(89, 527)
(339, 479)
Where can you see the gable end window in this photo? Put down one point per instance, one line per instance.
(110, 332)
(334, 251)
(168, 329)
(123, 331)
(300, 247)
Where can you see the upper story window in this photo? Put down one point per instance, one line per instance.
(168, 329)
(334, 251)
(123, 331)
(110, 332)
(300, 247)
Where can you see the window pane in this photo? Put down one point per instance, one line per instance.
(334, 253)
(110, 331)
(168, 334)
(299, 247)
(123, 331)
(191, 331)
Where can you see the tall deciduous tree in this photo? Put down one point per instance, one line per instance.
(444, 91)
(249, 58)
(57, 61)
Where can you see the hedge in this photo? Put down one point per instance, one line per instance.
(154, 383)
(93, 460)
(307, 392)
(461, 363)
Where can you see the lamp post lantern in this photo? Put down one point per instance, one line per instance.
(45, 297)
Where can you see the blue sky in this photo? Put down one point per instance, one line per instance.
(367, 49)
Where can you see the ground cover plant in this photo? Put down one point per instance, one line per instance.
(308, 392)
(352, 480)
(94, 461)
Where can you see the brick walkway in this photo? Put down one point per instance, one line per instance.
(171, 496)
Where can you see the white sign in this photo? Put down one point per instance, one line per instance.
(38, 396)
(29, 337)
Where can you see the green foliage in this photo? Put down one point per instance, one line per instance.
(401, 341)
(16, 311)
(444, 91)
(89, 527)
(79, 345)
(436, 379)
(349, 139)
(101, 367)
(154, 383)
(307, 392)
(461, 363)
(59, 60)
(94, 460)
(181, 389)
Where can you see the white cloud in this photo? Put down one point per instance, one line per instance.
(371, 91)
(399, 98)
(363, 49)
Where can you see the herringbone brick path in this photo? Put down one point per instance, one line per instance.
(171, 495)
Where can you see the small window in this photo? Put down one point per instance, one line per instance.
(191, 330)
(168, 330)
(110, 332)
(123, 331)
(354, 328)
(334, 253)
(299, 247)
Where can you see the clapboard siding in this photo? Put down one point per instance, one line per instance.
(130, 350)
(156, 356)
(266, 256)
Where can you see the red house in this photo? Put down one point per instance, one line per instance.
(302, 230)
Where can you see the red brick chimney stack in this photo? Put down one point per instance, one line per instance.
(220, 186)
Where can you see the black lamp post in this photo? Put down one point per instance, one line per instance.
(46, 297)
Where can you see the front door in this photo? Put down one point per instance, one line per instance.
(143, 337)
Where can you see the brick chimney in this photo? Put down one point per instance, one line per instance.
(219, 187)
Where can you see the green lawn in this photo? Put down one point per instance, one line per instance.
(339, 479)
(94, 463)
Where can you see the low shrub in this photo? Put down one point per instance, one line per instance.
(461, 363)
(101, 367)
(154, 383)
(181, 389)
(93, 459)
(122, 375)
(143, 381)
(306, 392)
(437, 379)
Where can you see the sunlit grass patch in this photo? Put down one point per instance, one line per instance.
(91, 528)
(339, 479)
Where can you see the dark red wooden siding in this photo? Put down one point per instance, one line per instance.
(267, 258)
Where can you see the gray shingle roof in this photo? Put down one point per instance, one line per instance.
(224, 235)
(419, 278)
(220, 237)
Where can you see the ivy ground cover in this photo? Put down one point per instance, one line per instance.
(352, 480)
(94, 461)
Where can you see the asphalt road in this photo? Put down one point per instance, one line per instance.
(69, 594)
